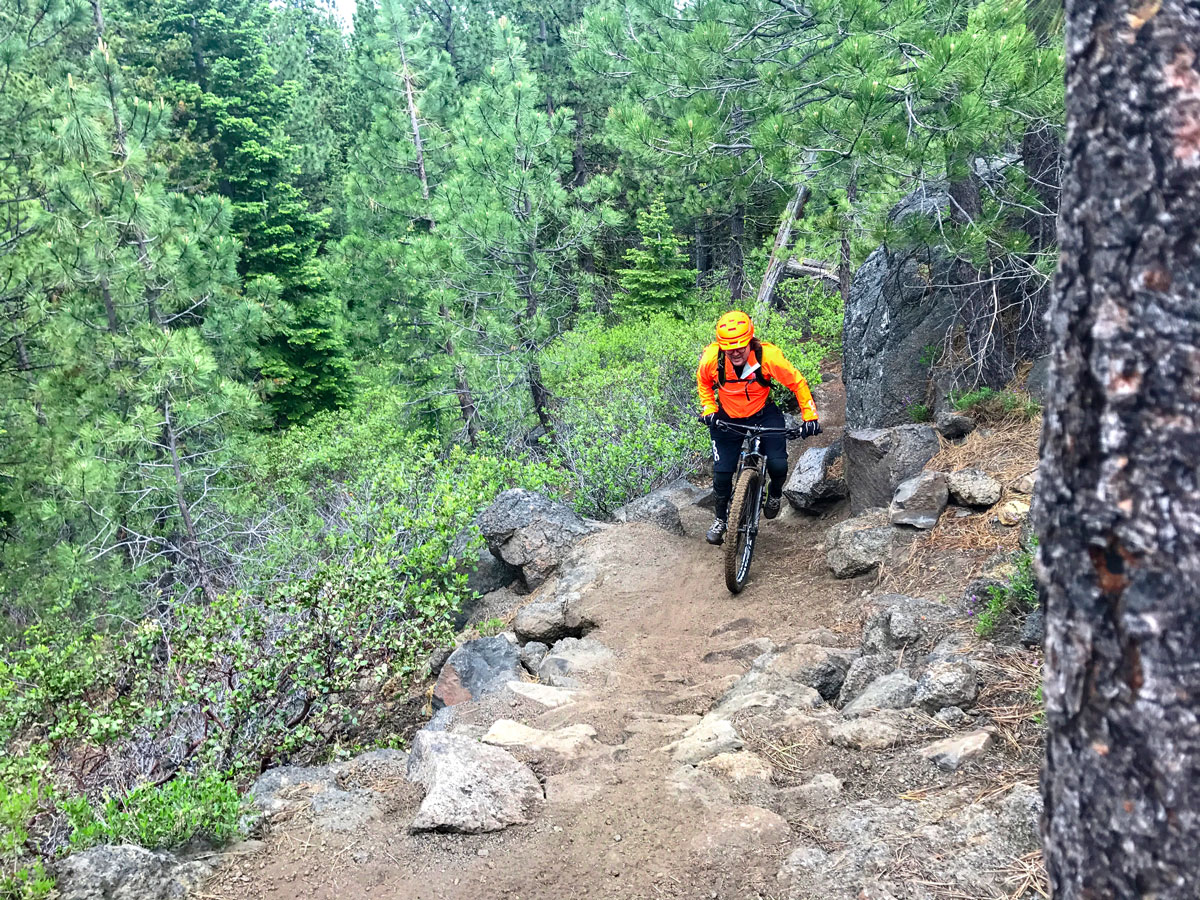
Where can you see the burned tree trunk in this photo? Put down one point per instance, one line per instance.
(1119, 497)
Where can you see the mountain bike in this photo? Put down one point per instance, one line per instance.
(749, 488)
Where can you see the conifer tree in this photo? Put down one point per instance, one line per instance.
(233, 109)
(657, 279)
(513, 231)
(128, 430)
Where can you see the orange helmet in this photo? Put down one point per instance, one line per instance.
(734, 330)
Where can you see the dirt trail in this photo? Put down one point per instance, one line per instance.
(613, 825)
(626, 820)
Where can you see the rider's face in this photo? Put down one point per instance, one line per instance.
(739, 356)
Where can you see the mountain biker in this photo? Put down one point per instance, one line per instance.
(741, 368)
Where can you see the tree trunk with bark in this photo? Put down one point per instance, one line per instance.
(1119, 494)
(737, 256)
(781, 248)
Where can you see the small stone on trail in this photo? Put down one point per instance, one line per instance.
(863, 734)
(953, 752)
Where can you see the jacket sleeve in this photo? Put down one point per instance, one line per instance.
(777, 368)
(706, 378)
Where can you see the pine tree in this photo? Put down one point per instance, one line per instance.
(513, 231)
(127, 432)
(232, 108)
(657, 279)
(309, 54)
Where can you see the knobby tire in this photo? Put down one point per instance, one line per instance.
(741, 510)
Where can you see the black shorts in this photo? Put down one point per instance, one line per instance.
(727, 446)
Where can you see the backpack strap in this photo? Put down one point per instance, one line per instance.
(759, 375)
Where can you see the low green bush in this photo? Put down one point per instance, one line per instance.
(987, 404)
(1018, 597)
(22, 875)
(187, 807)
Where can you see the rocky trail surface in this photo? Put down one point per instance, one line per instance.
(808, 738)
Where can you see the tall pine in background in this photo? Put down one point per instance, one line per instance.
(232, 107)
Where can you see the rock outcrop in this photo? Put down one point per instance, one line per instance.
(879, 460)
(817, 480)
(531, 533)
(920, 501)
(127, 872)
(477, 668)
(897, 308)
(470, 787)
(859, 545)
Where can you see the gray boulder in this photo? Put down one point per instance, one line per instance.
(571, 658)
(477, 668)
(879, 460)
(862, 672)
(490, 573)
(897, 308)
(863, 734)
(532, 655)
(954, 425)
(952, 716)
(545, 622)
(1037, 382)
(972, 487)
(653, 508)
(817, 479)
(126, 872)
(470, 787)
(952, 752)
(920, 501)
(821, 668)
(898, 621)
(892, 691)
(530, 532)
(683, 493)
(859, 545)
(1033, 631)
(952, 683)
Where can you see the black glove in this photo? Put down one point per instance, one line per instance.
(811, 428)
(709, 419)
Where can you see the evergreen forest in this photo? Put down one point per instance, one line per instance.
(286, 300)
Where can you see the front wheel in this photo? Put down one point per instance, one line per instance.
(743, 529)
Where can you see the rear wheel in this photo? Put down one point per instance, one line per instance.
(743, 529)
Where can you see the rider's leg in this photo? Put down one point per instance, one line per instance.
(774, 448)
(726, 448)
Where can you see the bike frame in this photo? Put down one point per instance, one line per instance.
(745, 530)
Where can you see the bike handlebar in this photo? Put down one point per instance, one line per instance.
(790, 434)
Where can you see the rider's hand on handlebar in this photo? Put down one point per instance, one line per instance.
(709, 419)
(811, 428)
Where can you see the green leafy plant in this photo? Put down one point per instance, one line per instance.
(1018, 597)
(491, 627)
(22, 876)
(987, 404)
(919, 412)
(206, 806)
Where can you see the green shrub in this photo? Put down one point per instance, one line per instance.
(1018, 597)
(987, 404)
(816, 310)
(919, 412)
(22, 876)
(187, 807)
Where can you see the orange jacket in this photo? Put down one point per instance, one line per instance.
(741, 398)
